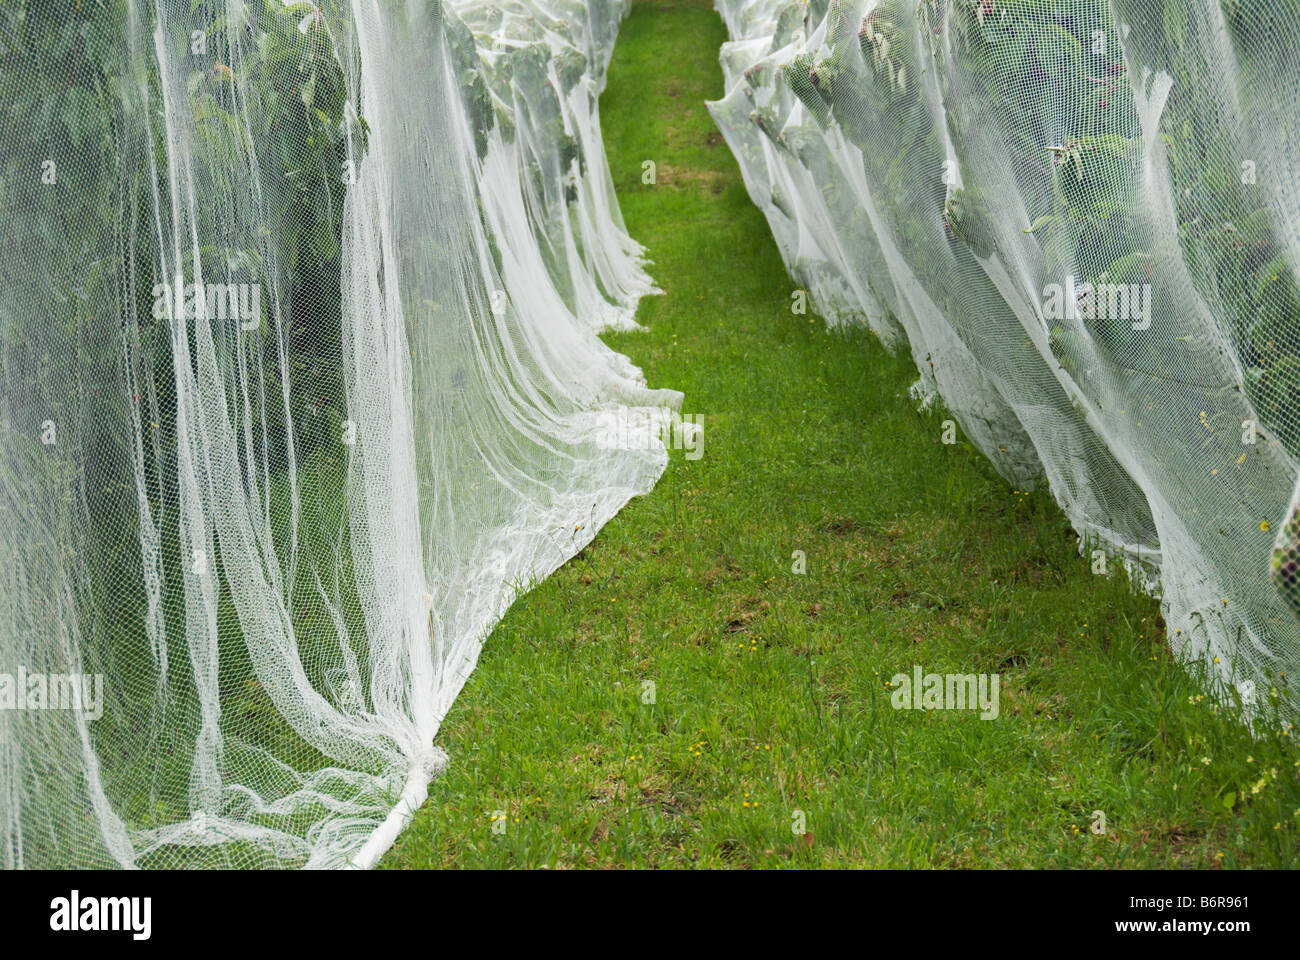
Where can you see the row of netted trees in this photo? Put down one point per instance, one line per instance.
(1083, 218)
(298, 385)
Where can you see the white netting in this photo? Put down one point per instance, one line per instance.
(300, 380)
(1084, 216)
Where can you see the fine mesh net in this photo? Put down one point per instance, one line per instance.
(1083, 219)
(300, 386)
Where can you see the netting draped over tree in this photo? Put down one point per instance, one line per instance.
(299, 384)
(1083, 219)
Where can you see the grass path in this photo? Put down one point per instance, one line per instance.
(769, 686)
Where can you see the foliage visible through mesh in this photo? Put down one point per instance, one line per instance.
(300, 384)
(1083, 219)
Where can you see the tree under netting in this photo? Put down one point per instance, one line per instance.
(1082, 217)
(301, 386)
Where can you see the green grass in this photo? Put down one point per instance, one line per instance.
(769, 686)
